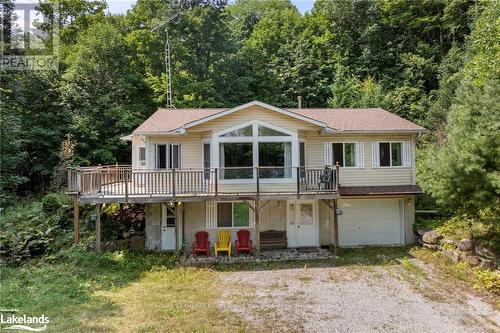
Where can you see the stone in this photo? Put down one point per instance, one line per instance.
(487, 264)
(126, 234)
(122, 244)
(431, 246)
(473, 260)
(465, 244)
(421, 232)
(484, 252)
(137, 243)
(453, 255)
(109, 246)
(431, 237)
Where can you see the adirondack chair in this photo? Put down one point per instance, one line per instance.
(201, 244)
(243, 243)
(223, 242)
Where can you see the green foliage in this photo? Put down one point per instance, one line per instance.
(52, 203)
(487, 280)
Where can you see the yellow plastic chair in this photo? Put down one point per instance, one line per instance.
(223, 242)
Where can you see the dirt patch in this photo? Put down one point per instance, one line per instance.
(395, 298)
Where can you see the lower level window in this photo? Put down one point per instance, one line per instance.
(233, 214)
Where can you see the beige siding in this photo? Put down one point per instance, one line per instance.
(366, 176)
(136, 143)
(255, 113)
(153, 226)
(191, 150)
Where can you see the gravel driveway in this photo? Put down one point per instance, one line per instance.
(354, 299)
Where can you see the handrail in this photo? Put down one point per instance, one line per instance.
(124, 181)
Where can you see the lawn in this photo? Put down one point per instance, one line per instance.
(146, 292)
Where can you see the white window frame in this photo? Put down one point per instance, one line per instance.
(169, 146)
(402, 145)
(250, 215)
(255, 139)
(343, 153)
(142, 163)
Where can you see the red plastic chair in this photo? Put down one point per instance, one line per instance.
(201, 244)
(243, 243)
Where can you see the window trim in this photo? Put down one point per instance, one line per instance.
(255, 139)
(356, 152)
(250, 215)
(168, 149)
(142, 163)
(390, 155)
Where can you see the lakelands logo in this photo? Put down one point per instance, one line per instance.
(24, 322)
(29, 35)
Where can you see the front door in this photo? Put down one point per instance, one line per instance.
(302, 223)
(168, 218)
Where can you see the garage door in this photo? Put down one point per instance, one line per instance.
(370, 222)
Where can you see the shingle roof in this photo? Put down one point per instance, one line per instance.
(348, 120)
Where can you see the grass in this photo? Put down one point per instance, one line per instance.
(146, 292)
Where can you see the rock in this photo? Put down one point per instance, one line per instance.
(137, 243)
(421, 232)
(126, 234)
(453, 255)
(431, 246)
(473, 260)
(109, 246)
(484, 252)
(431, 237)
(488, 264)
(122, 244)
(465, 244)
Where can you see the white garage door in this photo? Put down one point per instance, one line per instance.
(370, 222)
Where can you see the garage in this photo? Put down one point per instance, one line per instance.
(371, 222)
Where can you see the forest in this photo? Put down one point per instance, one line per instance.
(436, 63)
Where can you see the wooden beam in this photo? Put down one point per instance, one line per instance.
(76, 219)
(335, 228)
(328, 203)
(257, 227)
(98, 228)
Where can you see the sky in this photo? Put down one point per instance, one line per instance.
(121, 6)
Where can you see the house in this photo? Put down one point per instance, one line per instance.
(342, 177)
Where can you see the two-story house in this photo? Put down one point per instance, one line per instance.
(324, 177)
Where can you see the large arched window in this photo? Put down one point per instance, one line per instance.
(240, 150)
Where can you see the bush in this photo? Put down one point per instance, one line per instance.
(52, 203)
(487, 280)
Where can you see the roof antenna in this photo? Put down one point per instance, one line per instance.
(299, 100)
(168, 71)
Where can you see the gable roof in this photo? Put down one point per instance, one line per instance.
(176, 121)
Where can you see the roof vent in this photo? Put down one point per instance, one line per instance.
(299, 100)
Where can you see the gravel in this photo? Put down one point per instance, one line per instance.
(354, 299)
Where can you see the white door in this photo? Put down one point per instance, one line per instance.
(168, 227)
(302, 223)
(371, 222)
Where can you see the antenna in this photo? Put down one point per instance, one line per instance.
(168, 70)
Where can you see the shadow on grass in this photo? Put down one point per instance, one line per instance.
(66, 287)
(367, 256)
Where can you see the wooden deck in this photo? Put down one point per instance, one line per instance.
(122, 184)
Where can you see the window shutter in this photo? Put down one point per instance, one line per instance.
(407, 154)
(360, 154)
(328, 153)
(375, 154)
(211, 215)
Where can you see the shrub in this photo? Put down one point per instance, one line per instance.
(51, 203)
(487, 280)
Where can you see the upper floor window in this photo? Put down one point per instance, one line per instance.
(142, 156)
(251, 146)
(390, 154)
(168, 156)
(344, 153)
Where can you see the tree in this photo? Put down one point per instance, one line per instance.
(464, 172)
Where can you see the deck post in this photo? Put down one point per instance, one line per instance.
(257, 227)
(76, 219)
(98, 228)
(335, 228)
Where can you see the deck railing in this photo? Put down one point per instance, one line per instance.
(123, 181)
